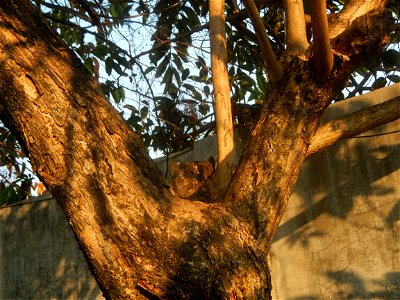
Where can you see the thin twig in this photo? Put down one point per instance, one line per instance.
(274, 68)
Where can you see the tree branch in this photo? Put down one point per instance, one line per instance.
(296, 37)
(223, 111)
(323, 58)
(357, 122)
(352, 10)
(274, 68)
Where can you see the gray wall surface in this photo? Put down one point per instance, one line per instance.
(339, 238)
(39, 257)
(340, 235)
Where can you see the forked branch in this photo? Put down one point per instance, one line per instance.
(323, 58)
(274, 68)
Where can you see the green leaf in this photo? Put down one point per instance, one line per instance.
(118, 94)
(163, 65)
(144, 112)
(172, 90)
(117, 67)
(394, 78)
(185, 74)
(191, 16)
(197, 96)
(363, 71)
(8, 196)
(167, 77)
(206, 90)
(202, 61)
(148, 70)
(189, 87)
(101, 51)
(379, 83)
(88, 63)
(391, 58)
(177, 61)
(261, 82)
(204, 108)
(176, 75)
(122, 93)
(108, 65)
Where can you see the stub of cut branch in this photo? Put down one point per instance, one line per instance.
(274, 68)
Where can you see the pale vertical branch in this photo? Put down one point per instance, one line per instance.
(223, 111)
(323, 58)
(296, 36)
(274, 68)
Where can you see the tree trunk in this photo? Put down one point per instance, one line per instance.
(139, 240)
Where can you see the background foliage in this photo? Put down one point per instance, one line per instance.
(152, 60)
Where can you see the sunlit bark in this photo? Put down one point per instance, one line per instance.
(223, 111)
(296, 36)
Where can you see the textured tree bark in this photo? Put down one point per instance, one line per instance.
(139, 240)
(275, 152)
(355, 123)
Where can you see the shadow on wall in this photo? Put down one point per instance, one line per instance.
(42, 258)
(355, 287)
(350, 179)
(340, 235)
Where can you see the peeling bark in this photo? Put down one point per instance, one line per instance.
(352, 10)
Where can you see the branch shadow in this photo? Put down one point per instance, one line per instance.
(352, 286)
(352, 179)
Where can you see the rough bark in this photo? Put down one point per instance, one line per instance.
(139, 240)
(278, 145)
(354, 124)
(352, 10)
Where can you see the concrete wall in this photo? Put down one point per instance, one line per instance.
(39, 258)
(340, 236)
(339, 239)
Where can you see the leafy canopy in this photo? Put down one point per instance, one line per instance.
(152, 60)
